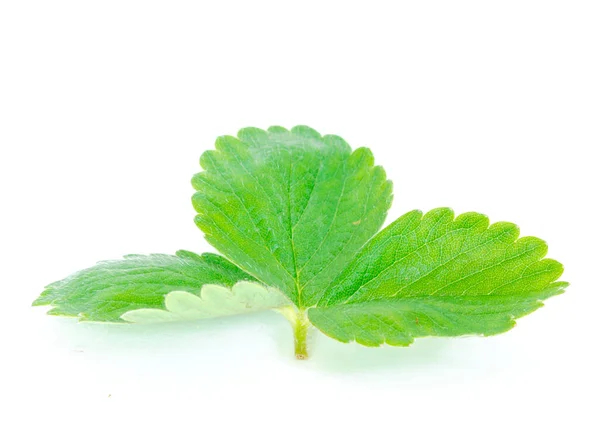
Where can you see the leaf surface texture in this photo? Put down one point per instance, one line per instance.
(436, 275)
(290, 207)
(212, 301)
(110, 288)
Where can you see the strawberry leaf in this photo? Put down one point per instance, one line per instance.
(290, 207)
(297, 215)
(107, 290)
(436, 275)
(212, 301)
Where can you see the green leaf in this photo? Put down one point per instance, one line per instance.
(106, 291)
(290, 207)
(436, 275)
(298, 214)
(212, 301)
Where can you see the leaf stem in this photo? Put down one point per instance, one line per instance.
(301, 326)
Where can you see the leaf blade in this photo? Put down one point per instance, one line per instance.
(290, 207)
(212, 301)
(422, 271)
(107, 290)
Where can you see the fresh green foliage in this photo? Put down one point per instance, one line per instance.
(106, 291)
(290, 208)
(213, 301)
(436, 275)
(297, 216)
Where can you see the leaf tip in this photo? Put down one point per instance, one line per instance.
(40, 301)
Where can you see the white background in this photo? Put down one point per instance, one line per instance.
(105, 108)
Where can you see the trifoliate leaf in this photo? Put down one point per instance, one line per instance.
(297, 215)
(436, 275)
(290, 207)
(107, 290)
(213, 301)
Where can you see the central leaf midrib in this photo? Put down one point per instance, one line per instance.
(291, 231)
(334, 218)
